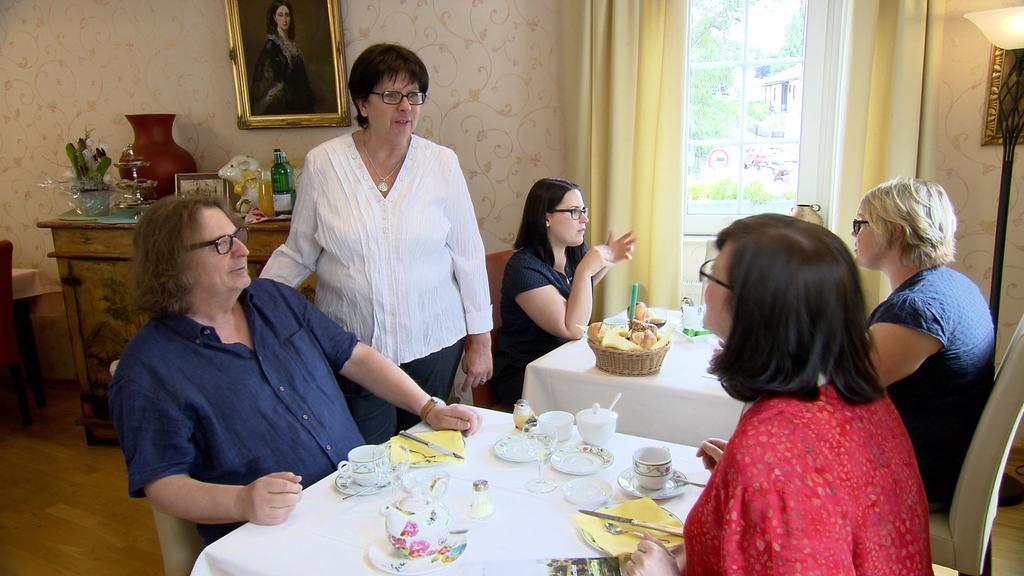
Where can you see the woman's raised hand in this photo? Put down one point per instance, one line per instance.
(710, 451)
(615, 250)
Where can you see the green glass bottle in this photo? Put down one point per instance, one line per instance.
(282, 178)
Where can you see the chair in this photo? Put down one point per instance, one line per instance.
(180, 543)
(483, 395)
(10, 354)
(960, 536)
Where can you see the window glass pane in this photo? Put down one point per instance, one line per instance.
(774, 100)
(777, 29)
(714, 110)
(769, 177)
(716, 30)
(713, 179)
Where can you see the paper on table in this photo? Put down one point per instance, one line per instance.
(639, 509)
(421, 454)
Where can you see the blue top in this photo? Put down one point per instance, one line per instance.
(520, 339)
(942, 401)
(182, 402)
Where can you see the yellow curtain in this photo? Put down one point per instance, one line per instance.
(623, 86)
(892, 50)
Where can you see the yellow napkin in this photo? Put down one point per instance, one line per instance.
(422, 454)
(640, 509)
(616, 338)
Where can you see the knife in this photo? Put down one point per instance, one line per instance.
(430, 445)
(673, 530)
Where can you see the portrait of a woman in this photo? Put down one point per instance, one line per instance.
(280, 84)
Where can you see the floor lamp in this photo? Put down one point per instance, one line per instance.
(1004, 28)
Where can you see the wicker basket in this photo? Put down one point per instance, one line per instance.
(629, 363)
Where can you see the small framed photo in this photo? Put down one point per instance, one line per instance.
(207, 184)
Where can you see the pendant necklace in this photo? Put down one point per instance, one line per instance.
(382, 185)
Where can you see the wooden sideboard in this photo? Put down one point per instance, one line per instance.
(93, 261)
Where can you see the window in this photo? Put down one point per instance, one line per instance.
(761, 114)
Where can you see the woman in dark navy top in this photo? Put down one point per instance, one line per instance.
(933, 340)
(547, 291)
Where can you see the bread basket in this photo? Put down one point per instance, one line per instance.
(640, 363)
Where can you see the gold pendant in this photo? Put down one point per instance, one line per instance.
(382, 186)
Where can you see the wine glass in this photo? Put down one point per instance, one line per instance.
(539, 444)
(396, 463)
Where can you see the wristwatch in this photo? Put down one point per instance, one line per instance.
(433, 402)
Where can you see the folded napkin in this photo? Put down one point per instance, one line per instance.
(640, 509)
(422, 454)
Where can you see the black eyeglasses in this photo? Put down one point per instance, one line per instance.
(574, 213)
(705, 274)
(394, 97)
(857, 225)
(225, 243)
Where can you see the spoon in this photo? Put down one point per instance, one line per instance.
(614, 401)
(613, 529)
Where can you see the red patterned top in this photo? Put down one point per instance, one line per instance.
(813, 488)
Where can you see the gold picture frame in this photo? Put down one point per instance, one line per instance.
(205, 184)
(290, 83)
(1001, 61)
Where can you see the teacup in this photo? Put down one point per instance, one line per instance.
(653, 467)
(366, 465)
(596, 426)
(556, 423)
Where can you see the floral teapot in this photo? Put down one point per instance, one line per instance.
(417, 526)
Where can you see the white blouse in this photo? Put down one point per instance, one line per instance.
(405, 273)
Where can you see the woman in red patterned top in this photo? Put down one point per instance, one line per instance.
(819, 477)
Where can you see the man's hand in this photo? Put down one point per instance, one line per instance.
(454, 417)
(476, 360)
(270, 500)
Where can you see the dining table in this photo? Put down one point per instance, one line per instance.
(327, 534)
(681, 403)
(28, 285)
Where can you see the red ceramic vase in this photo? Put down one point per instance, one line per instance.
(155, 143)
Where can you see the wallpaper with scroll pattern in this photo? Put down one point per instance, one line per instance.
(68, 65)
(969, 171)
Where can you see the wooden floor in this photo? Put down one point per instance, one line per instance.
(66, 508)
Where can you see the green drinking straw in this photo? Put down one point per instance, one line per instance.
(632, 302)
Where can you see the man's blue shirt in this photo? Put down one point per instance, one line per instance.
(183, 402)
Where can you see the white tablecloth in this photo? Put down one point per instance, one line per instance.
(29, 282)
(682, 403)
(325, 535)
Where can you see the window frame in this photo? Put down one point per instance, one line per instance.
(819, 124)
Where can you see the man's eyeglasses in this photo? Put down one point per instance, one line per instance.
(574, 213)
(225, 243)
(705, 274)
(857, 225)
(394, 97)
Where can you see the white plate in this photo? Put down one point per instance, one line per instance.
(629, 482)
(587, 492)
(384, 557)
(581, 459)
(514, 449)
(350, 488)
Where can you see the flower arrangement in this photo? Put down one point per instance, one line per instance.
(89, 164)
(87, 184)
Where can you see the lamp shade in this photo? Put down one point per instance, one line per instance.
(1003, 27)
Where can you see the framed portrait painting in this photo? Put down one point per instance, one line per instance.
(288, 62)
(1001, 63)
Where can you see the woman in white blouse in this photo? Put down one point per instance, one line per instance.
(385, 219)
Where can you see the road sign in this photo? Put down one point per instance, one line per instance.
(718, 158)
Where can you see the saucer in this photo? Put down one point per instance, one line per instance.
(581, 459)
(587, 492)
(351, 488)
(514, 449)
(629, 482)
(384, 557)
